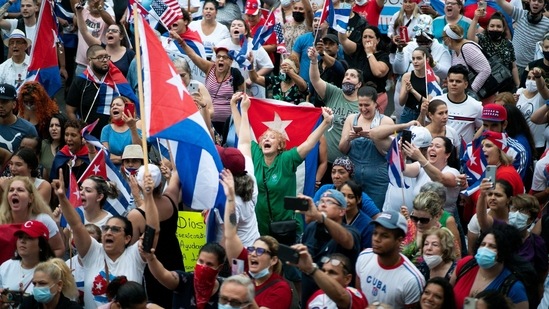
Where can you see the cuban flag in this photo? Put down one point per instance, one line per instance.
(140, 9)
(113, 84)
(265, 31)
(473, 165)
(241, 56)
(193, 40)
(44, 66)
(296, 123)
(173, 115)
(327, 14)
(341, 19)
(73, 192)
(433, 88)
(396, 165)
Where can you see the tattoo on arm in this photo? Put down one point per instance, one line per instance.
(232, 219)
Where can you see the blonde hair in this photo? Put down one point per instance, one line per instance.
(457, 30)
(399, 21)
(430, 202)
(57, 270)
(36, 206)
(447, 241)
(278, 136)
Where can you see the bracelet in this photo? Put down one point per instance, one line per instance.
(314, 63)
(230, 201)
(424, 165)
(369, 55)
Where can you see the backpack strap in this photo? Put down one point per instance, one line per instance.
(465, 268)
(508, 284)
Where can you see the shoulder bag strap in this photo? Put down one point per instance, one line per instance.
(267, 192)
(268, 285)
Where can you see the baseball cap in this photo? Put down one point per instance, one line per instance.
(155, 173)
(132, 152)
(336, 195)
(17, 34)
(494, 112)
(421, 137)
(331, 37)
(392, 220)
(217, 49)
(232, 160)
(252, 7)
(7, 92)
(34, 229)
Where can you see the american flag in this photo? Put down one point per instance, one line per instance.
(281, 44)
(168, 11)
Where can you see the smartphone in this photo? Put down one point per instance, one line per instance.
(148, 238)
(193, 87)
(406, 136)
(237, 266)
(357, 129)
(491, 174)
(470, 303)
(482, 5)
(294, 203)
(129, 108)
(288, 254)
(403, 34)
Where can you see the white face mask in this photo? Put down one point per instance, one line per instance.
(432, 261)
(530, 85)
(518, 220)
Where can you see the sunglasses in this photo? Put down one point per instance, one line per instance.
(233, 303)
(113, 228)
(334, 262)
(258, 251)
(420, 219)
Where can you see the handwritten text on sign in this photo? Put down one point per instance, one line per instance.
(191, 233)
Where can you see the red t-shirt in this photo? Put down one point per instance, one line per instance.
(320, 300)
(370, 11)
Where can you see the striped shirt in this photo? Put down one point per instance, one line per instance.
(221, 94)
(526, 35)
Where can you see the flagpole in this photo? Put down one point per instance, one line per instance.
(140, 90)
(426, 83)
(401, 175)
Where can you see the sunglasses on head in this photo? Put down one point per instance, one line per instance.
(258, 251)
(335, 262)
(420, 219)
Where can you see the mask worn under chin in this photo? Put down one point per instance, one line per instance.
(495, 35)
(518, 220)
(360, 2)
(348, 88)
(262, 273)
(299, 17)
(530, 85)
(204, 283)
(43, 294)
(432, 260)
(534, 18)
(546, 55)
(485, 257)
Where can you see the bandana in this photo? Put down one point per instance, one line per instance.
(204, 283)
(346, 163)
(499, 139)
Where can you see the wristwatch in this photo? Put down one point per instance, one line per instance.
(315, 268)
(321, 54)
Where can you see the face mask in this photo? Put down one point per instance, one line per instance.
(130, 171)
(260, 274)
(534, 18)
(345, 5)
(285, 2)
(43, 294)
(432, 260)
(360, 2)
(226, 306)
(495, 35)
(530, 85)
(518, 220)
(204, 283)
(299, 17)
(546, 55)
(485, 257)
(348, 88)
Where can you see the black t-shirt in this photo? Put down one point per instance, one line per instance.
(535, 64)
(183, 295)
(83, 96)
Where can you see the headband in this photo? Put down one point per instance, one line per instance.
(451, 34)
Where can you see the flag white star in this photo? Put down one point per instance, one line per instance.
(96, 169)
(278, 125)
(176, 81)
(54, 38)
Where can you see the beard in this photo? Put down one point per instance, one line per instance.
(99, 69)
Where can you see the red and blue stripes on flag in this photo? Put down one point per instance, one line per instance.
(395, 165)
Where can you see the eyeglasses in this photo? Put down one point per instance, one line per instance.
(258, 251)
(327, 202)
(102, 58)
(113, 228)
(113, 31)
(420, 219)
(334, 262)
(14, 42)
(451, 3)
(234, 303)
(223, 57)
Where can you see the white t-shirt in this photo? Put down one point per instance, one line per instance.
(30, 32)
(128, 264)
(220, 33)
(539, 181)
(397, 286)
(527, 108)
(261, 60)
(13, 276)
(49, 223)
(393, 197)
(78, 272)
(464, 117)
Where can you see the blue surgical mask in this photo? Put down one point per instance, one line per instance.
(260, 274)
(485, 257)
(344, 5)
(226, 306)
(43, 294)
(518, 220)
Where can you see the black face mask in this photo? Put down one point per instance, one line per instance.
(534, 18)
(546, 55)
(495, 35)
(299, 17)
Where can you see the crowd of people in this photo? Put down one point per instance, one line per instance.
(437, 204)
